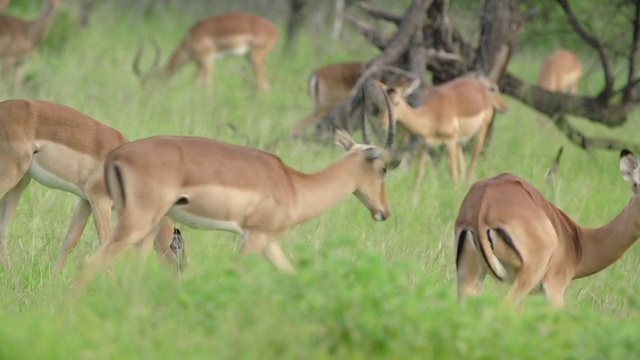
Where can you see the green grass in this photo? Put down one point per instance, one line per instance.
(362, 289)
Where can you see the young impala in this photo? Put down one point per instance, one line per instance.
(328, 86)
(507, 227)
(233, 33)
(561, 71)
(208, 184)
(64, 149)
(451, 114)
(20, 38)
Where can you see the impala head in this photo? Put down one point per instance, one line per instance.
(496, 97)
(630, 169)
(155, 72)
(375, 162)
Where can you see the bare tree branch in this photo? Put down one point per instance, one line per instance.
(630, 92)
(555, 104)
(399, 42)
(379, 14)
(369, 32)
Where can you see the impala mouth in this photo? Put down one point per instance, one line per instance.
(380, 215)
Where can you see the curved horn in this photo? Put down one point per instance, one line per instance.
(392, 122)
(365, 119)
(136, 60)
(158, 54)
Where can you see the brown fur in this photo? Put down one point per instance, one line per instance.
(215, 35)
(68, 144)
(20, 38)
(451, 114)
(329, 85)
(506, 225)
(561, 71)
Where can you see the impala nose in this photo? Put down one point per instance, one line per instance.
(380, 215)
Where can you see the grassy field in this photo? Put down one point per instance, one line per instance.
(362, 289)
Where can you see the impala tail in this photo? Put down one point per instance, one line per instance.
(115, 185)
(483, 242)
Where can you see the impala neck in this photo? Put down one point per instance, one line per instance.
(39, 27)
(317, 192)
(415, 122)
(177, 60)
(604, 245)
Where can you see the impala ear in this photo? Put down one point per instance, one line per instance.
(373, 153)
(629, 167)
(343, 139)
(394, 159)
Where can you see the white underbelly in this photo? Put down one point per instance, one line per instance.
(51, 180)
(235, 51)
(200, 222)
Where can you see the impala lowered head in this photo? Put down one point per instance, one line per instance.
(375, 162)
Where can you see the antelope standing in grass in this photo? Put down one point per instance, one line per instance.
(506, 227)
(234, 33)
(20, 39)
(561, 71)
(61, 148)
(451, 114)
(208, 184)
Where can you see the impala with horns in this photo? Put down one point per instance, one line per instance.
(328, 86)
(452, 113)
(19, 40)
(64, 149)
(507, 228)
(208, 184)
(233, 33)
(561, 71)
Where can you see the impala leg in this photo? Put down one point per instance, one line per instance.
(18, 76)
(470, 269)
(481, 137)
(452, 147)
(256, 242)
(274, 253)
(462, 163)
(7, 69)
(527, 279)
(554, 289)
(78, 223)
(9, 204)
(424, 156)
(258, 56)
(204, 76)
(129, 231)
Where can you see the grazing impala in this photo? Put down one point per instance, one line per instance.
(506, 226)
(209, 184)
(234, 33)
(64, 149)
(451, 114)
(328, 86)
(561, 72)
(19, 40)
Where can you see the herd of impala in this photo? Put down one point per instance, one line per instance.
(504, 227)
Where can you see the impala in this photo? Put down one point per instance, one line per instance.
(19, 40)
(233, 33)
(451, 114)
(328, 86)
(561, 72)
(506, 225)
(64, 149)
(208, 184)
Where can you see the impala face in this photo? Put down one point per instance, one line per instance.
(371, 191)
